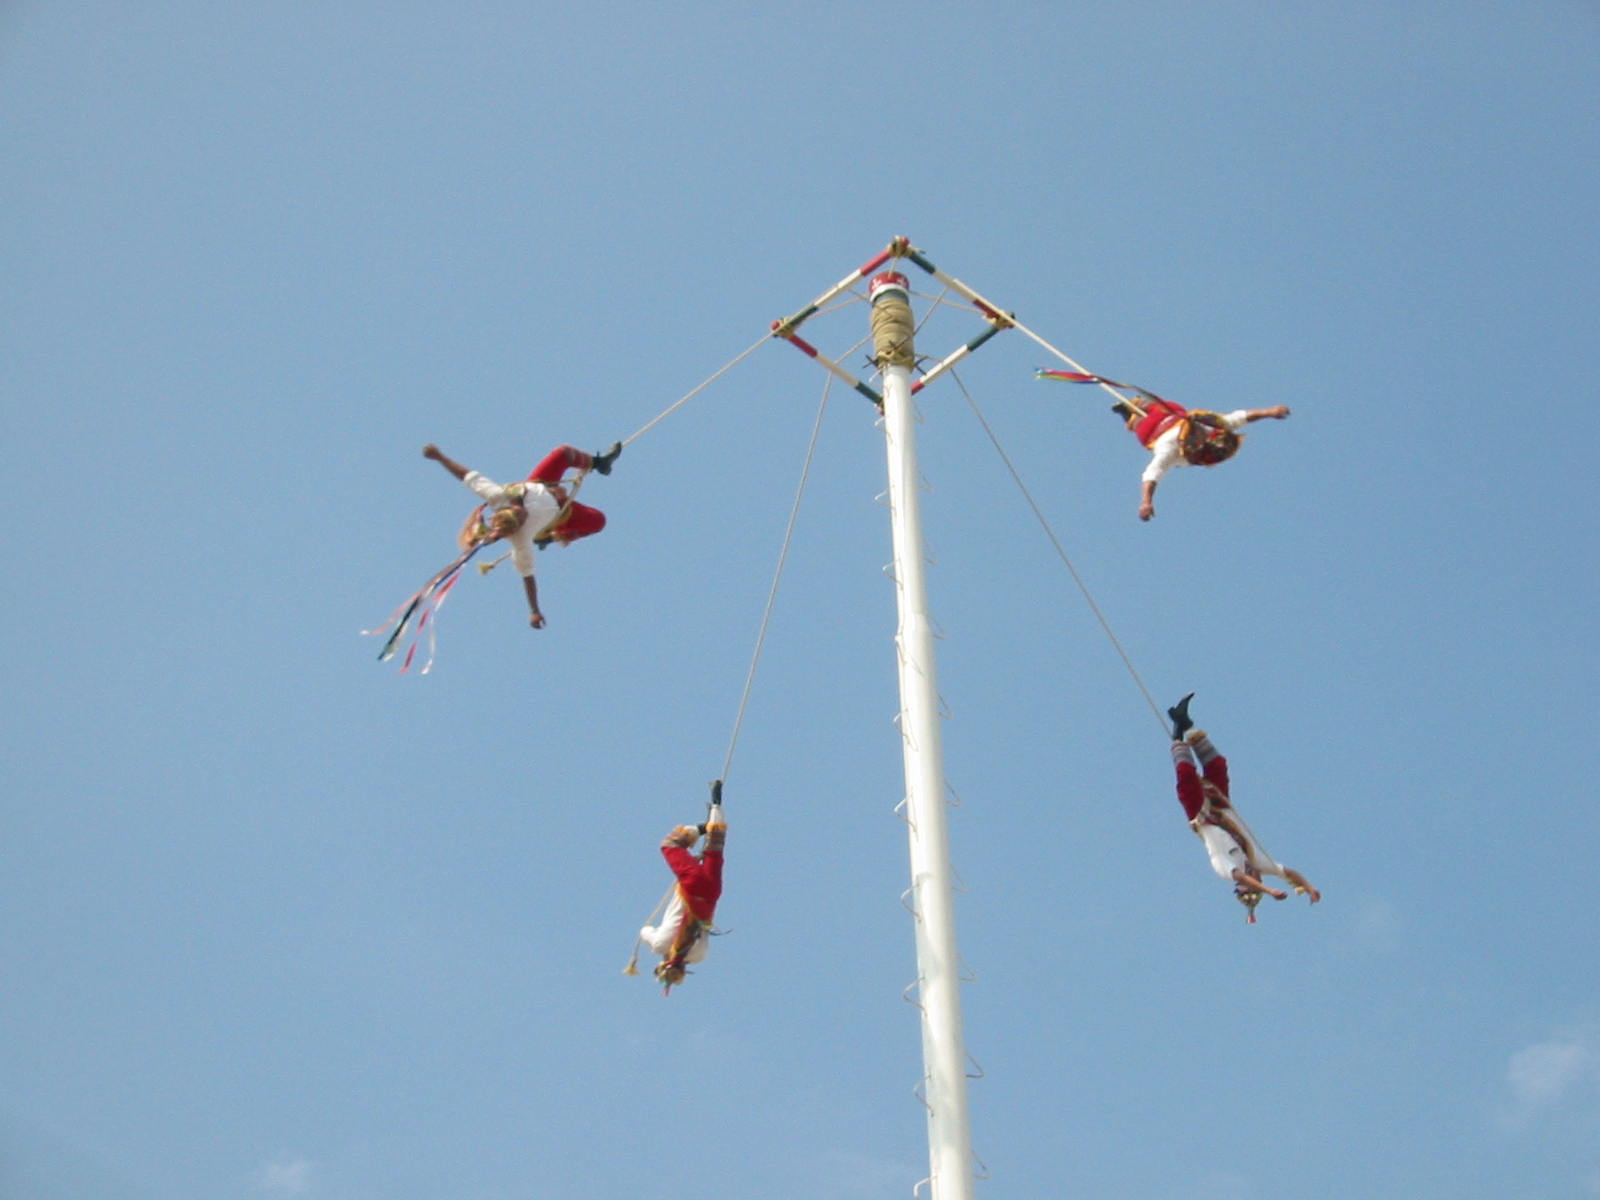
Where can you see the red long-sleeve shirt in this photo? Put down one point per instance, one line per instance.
(699, 879)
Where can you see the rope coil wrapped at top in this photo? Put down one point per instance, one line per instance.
(893, 328)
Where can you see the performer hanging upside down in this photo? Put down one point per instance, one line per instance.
(684, 935)
(1235, 853)
(532, 513)
(1177, 437)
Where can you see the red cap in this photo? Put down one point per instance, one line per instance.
(889, 281)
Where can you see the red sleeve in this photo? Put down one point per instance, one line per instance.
(700, 878)
(683, 864)
(1190, 794)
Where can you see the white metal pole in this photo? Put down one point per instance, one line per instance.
(932, 885)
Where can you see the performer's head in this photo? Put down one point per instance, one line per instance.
(506, 521)
(1220, 450)
(1207, 444)
(670, 974)
(1249, 897)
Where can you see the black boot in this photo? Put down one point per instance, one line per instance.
(1181, 721)
(602, 462)
(716, 793)
(1123, 409)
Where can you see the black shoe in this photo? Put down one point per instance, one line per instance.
(716, 793)
(602, 462)
(1181, 721)
(543, 543)
(1123, 409)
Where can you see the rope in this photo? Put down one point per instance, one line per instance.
(1076, 578)
(633, 963)
(891, 332)
(1078, 367)
(772, 594)
(695, 391)
(938, 302)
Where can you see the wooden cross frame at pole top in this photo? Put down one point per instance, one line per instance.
(932, 892)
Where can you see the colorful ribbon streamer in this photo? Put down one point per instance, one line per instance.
(423, 604)
(1085, 377)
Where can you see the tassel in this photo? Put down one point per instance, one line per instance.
(633, 963)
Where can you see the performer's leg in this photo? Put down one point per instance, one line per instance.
(1200, 740)
(716, 840)
(1190, 794)
(1178, 714)
(711, 869)
(1216, 766)
(581, 521)
(553, 465)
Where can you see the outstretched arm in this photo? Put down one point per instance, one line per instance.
(1147, 499)
(1164, 455)
(531, 590)
(1301, 884)
(448, 463)
(1277, 413)
(1240, 875)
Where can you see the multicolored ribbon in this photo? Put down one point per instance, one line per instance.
(1085, 377)
(425, 603)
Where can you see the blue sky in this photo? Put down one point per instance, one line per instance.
(282, 924)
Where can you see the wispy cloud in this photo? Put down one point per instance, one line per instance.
(1542, 1074)
(1379, 926)
(289, 1175)
(1548, 1074)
